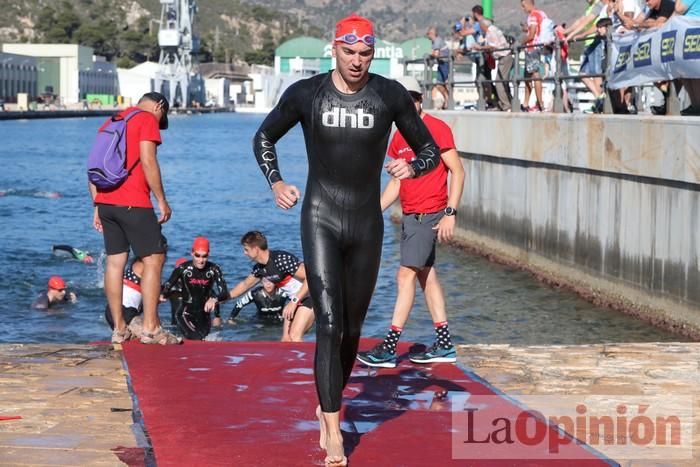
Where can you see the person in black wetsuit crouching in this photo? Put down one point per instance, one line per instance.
(268, 299)
(202, 286)
(346, 115)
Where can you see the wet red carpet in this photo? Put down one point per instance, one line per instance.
(252, 404)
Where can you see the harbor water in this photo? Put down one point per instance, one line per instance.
(215, 189)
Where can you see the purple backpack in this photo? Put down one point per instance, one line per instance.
(106, 166)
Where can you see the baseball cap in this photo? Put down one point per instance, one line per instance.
(411, 84)
(57, 282)
(200, 243)
(160, 99)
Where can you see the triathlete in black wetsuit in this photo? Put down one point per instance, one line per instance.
(267, 298)
(202, 286)
(346, 116)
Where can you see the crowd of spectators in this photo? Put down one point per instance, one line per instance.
(492, 52)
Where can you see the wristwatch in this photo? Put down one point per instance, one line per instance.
(294, 299)
(450, 211)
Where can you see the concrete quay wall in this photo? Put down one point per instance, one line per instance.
(606, 205)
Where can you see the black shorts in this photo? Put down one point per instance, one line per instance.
(125, 227)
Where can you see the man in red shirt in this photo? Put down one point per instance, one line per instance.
(126, 218)
(428, 215)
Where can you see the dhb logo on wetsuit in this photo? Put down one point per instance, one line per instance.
(340, 117)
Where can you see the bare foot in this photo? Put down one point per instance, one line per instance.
(322, 428)
(335, 452)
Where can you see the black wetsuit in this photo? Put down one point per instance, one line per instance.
(341, 220)
(197, 286)
(42, 302)
(269, 306)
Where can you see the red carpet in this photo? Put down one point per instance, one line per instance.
(252, 404)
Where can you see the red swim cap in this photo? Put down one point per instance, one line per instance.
(353, 24)
(56, 282)
(200, 244)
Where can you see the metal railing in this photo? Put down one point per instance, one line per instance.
(558, 78)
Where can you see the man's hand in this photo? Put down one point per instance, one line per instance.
(161, 298)
(286, 196)
(400, 169)
(289, 309)
(165, 211)
(96, 222)
(72, 297)
(216, 322)
(210, 305)
(445, 228)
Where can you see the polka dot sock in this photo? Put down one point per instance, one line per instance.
(392, 338)
(442, 335)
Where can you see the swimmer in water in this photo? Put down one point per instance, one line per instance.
(268, 299)
(80, 255)
(347, 116)
(55, 294)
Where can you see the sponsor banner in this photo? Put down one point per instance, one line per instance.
(568, 427)
(669, 52)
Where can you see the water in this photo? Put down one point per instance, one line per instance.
(215, 189)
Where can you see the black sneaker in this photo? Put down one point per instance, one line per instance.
(435, 354)
(658, 109)
(379, 356)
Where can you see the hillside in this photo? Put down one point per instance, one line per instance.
(125, 30)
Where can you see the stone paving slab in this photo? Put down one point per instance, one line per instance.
(74, 403)
(666, 370)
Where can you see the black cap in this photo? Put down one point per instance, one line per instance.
(159, 99)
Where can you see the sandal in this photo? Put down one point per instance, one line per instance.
(161, 337)
(119, 337)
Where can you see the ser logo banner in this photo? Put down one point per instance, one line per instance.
(668, 46)
(642, 56)
(623, 58)
(691, 44)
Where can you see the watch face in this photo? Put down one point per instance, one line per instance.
(450, 211)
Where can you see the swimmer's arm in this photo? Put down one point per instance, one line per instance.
(220, 290)
(243, 285)
(278, 122)
(174, 277)
(414, 131)
(390, 193)
(240, 303)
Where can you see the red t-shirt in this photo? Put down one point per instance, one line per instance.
(135, 191)
(427, 193)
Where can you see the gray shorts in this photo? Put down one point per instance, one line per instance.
(418, 239)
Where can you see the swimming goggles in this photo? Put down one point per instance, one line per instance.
(351, 39)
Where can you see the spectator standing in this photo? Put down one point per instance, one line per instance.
(494, 39)
(428, 216)
(533, 54)
(126, 218)
(440, 53)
